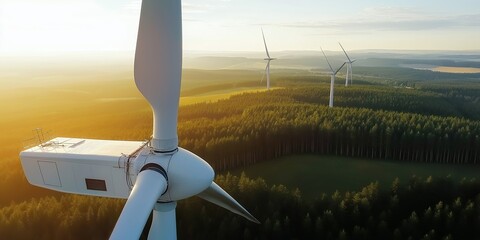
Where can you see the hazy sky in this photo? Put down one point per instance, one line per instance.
(31, 26)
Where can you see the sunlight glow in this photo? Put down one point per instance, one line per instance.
(32, 26)
(57, 26)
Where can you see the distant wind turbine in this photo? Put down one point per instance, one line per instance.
(349, 67)
(332, 79)
(268, 59)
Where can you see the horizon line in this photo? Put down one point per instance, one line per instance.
(83, 52)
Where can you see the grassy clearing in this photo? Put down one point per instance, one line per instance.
(314, 174)
(456, 69)
(217, 95)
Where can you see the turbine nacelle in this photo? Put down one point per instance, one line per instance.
(98, 168)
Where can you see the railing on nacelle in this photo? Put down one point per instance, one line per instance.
(40, 138)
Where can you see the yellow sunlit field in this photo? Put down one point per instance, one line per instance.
(215, 96)
(456, 69)
(107, 106)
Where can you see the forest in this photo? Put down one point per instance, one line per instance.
(427, 123)
(293, 122)
(415, 209)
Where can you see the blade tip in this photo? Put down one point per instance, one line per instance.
(251, 218)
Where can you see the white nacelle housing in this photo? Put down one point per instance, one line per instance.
(82, 166)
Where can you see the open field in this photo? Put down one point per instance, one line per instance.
(456, 69)
(316, 174)
(188, 100)
(217, 95)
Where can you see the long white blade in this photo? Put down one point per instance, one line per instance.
(158, 66)
(265, 42)
(164, 225)
(327, 59)
(350, 61)
(148, 187)
(216, 195)
(335, 73)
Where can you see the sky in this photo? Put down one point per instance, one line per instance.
(46, 26)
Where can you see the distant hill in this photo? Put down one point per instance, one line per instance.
(315, 59)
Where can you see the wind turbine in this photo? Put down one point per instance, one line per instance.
(332, 78)
(349, 67)
(268, 59)
(159, 171)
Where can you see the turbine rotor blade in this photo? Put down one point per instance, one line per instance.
(345, 53)
(216, 195)
(164, 223)
(327, 60)
(335, 73)
(265, 42)
(149, 186)
(158, 67)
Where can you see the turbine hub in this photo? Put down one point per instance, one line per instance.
(187, 174)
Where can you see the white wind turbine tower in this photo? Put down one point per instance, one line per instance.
(159, 171)
(332, 78)
(268, 59)
(349, 67)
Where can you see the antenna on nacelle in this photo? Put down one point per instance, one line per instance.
(38, 138)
